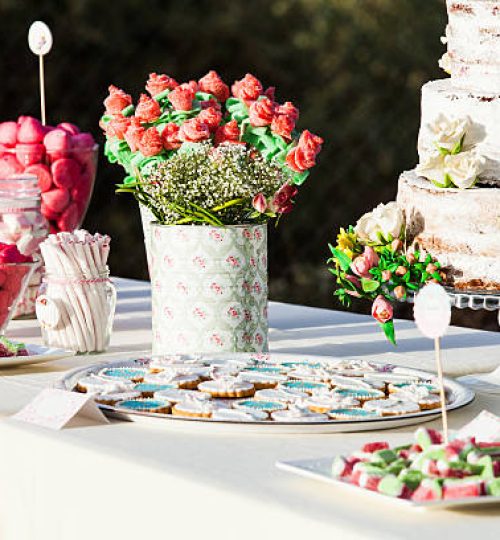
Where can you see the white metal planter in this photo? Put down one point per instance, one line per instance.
(209, 288)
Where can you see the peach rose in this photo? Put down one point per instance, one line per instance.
(150, 143)
(182, 97)
(148, 109)
(247, 89)
(211, 83)
(259, 203)
(303, 156)
(194, 131)
(117, 100)
(117, 126)
(289, 109)
(283, 124)
(212, 117)
(261, 112)
(382, 309)
(159, 83)
(134, 134)
(170, 137)
(228, 133)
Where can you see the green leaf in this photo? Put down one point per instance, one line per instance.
(369, 285)
(299, 178)
(128, 111)
(343, 259)
(388, 328)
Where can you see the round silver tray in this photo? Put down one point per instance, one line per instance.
(458, 396)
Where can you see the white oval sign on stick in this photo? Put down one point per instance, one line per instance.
(432, 311)
(40, 38)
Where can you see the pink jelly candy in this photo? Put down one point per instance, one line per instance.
(29, 153)
(69, 218)
(58, 143)
(8, 133)
(49, 214)
(9, 165)
(56, 199)
(461, 490)
(83, 140)
(69, 128)
(374, 446)
(65, 172)
(42, 172)
(30, 130)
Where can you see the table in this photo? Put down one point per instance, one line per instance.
(128, 480)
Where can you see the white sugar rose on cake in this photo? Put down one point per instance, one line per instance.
(210, 165)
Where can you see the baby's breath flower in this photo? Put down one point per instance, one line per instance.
(200, 177)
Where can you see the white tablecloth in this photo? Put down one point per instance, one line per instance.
(129, 480)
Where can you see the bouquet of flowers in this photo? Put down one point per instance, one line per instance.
(199, 152)
(370, 261)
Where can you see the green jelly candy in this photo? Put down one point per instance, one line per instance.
(370, 468)
(391, 485)
(490, 451)
(493, 487)
(338, 466)
(385, 456)
(411, 478)
(396, 466)
(487, 468)
(423, 438)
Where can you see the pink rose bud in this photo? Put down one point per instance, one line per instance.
(8, 133)
(410, 257)
(56, 199)
(386, 275)
(356, 282)
(69, 128)
(382, 309)
(401, 270)
(363, 263)
(396, 245)
(431, 268)
(259, 203)
(30, 131)
(399, 292)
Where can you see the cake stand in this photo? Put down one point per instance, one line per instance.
(475, 299)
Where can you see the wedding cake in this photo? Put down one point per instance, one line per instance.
(451, 200)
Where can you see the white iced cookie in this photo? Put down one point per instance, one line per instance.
(419, 394)
(181, 380)
(261, 380)
(279, 394)
(341, 381)
(392, 377)
(227, 387)
(194, 408)
(112, 398)
(354, 368)
(185, 369)
(234, 415)
(175, 395)
(324, 402)
(93, 384)
(391, 406)
(298, 414)
(306, 373)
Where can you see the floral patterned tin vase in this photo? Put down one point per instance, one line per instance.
(209, 288)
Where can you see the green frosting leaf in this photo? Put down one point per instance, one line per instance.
(369, 285)
(343, 259)
(128, 111)
(388, 329)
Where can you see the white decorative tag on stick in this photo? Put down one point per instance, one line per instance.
(55, 409)
(40, 42)
(432, 313)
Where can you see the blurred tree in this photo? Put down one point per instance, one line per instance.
(354, 67)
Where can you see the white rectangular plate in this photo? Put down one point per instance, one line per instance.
(320, 469)
(38, 355)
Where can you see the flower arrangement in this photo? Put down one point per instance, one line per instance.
(453, 163)
(200, 152)
(370, 261)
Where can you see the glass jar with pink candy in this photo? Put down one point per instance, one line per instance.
(63, 159)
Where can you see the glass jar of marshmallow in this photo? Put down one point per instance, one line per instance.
(22, 223)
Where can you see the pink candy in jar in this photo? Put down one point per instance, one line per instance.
(63, 159)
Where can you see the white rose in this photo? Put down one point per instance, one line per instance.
(464, 168)
(448, 133)
(383, 223)
(432, 167)
(445, 63)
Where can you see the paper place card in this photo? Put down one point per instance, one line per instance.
(485, 428)
(56, 409)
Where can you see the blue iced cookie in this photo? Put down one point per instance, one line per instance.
(149, 389)
(145, 405)
(257, 405)
(131, 373)
(304, 386)
(351, 414)
(361, 394)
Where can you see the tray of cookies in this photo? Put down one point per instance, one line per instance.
(273, 391)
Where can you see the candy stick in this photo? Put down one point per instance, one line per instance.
(437, 349)
(432, 312)
(40, 43)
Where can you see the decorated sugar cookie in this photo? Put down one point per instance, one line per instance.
(93, 384)
(352, 414)
(112, 398)
(391, 406)
(360, 394)
(174, 395)
(235, 415)
(130, 373)
(280, 394)
(259, 405)
(228, 387)
(145, 405)
(303, 386)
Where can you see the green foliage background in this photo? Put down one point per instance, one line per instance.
(354, 67)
